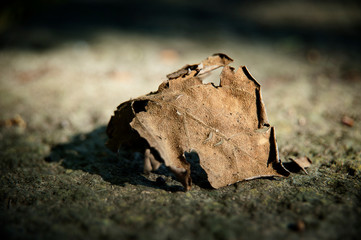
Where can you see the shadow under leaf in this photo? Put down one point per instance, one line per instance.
(87, 152)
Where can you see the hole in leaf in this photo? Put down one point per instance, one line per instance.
(212, 77)
(139, 106)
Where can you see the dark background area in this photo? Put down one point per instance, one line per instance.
(324, 24)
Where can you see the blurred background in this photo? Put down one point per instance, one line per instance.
(81, 58)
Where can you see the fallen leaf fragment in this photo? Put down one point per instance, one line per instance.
(302, 163)
(226, 126)
(16, 121)
(348, 121)
(299, 226)
(169, 55)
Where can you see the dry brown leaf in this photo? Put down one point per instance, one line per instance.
(226, 126)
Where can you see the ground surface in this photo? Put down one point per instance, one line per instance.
(59, 87)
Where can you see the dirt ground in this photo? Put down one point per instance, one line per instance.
(61, 78)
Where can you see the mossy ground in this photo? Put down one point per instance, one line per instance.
(58, 181)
